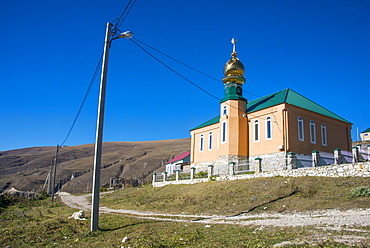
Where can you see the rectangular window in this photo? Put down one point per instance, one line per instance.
(223, 138)
(256, 131)
(324, 135)
(268, 128)
(312, 132)
(201, 142)
(210, 141)
(300, 129)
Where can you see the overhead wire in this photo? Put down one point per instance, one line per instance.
(170, 57)
(118, 22)
(136, 41)
(97, 70)
(177, 73)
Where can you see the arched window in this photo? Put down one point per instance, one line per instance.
(268, 128)
(223, 137)
(224, 110)
(256, 131)
(300, 129)
(201, 142)
(210, 141)
(323, 135)
(312, 132)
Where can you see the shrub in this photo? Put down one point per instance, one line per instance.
(201, 174)
(360, 191)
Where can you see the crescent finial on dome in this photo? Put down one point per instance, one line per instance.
(234, 67)
(234, 41)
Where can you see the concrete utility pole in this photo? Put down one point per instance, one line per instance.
(54, 173)
(99, 126)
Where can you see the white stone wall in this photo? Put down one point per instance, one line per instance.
(270, 162)
(343, 170)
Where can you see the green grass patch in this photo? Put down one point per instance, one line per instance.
(43, 223)
(46, 224)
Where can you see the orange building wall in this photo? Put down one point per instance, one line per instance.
(338, 132)
(206, 154)
(264, 146)
(284, 120)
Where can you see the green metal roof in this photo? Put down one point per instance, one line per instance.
(291, 97)
(207, 123)
(285, 96)
(366, 131)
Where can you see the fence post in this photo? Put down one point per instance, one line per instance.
(315, 158)
(258, 166)
(154, 178)
(192, 170)
(177, 175)
(337, 156)
(164, 176)
(210, 171)
(355, 154)
(231, 168)
(291, 161)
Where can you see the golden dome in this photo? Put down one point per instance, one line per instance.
(234, 67)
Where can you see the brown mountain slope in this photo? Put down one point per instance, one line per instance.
(27, 169)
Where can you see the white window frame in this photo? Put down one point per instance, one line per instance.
(300, 129)
(223, 132)
(312, 132)
(268, 124)
(324, 135)
(256, 131)
(201, 143)
(224, 110)
(210, 141)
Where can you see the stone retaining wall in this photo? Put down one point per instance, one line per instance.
(343, 170)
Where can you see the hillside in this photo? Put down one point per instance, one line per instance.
(26, 169)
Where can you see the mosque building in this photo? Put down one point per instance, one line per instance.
(268, 128)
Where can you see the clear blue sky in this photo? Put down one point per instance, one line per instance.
(49, 51)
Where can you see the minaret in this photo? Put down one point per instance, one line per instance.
(233, 118)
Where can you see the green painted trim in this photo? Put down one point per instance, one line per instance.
(315, 151)
(337, 149)
(258, 159)
(207, 123)
(366, 131)
(290, 153)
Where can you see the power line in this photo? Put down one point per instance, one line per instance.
(97, 70)
(168, 67)
(170, 57)
(119, 22)
(205, 91)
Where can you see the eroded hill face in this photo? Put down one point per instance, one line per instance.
(27, 169)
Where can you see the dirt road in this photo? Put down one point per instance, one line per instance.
(327, 218)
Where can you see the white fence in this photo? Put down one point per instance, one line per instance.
(303, 160)
(260, 165)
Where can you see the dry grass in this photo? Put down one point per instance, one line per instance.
(27, 169)
(233, 197)
(45, 224)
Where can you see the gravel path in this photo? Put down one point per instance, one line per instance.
(333, 218)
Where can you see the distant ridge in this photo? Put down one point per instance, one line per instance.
(26, 169)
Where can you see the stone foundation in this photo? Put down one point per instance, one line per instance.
(220, 166)
(342, 170)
